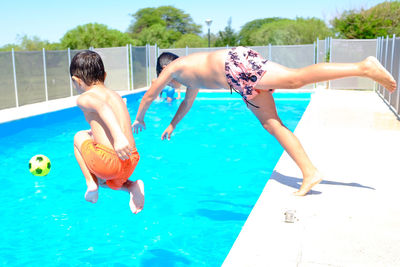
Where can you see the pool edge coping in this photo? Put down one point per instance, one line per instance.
(40, 108)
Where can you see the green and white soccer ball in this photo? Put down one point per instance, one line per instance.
(39, 165)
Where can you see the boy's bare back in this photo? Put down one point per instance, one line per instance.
(200, 70)
(105, 96)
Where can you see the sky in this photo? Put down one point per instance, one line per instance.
(50, 20)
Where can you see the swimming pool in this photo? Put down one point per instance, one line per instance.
(200, 187)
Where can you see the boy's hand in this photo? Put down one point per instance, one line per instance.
(167, 133)
(138, 126)
(122, 147)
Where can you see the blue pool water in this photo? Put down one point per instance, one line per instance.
(200, 187)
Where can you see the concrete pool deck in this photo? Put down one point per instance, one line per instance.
(353, 217)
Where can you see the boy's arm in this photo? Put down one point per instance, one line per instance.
(90, 103)
(151, 94)
(183, 109)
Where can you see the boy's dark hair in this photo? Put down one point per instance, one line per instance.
(163, 60)
(87, 66)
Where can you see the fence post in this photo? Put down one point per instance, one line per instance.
(155, 56)
(398, 91)
(330, 57)
(377, 57)
(386, 58)
(381, 60)
(377, 48)
(391, 61)
(70, 78)
(147, 65)
(269, 51)
(133, 81)
(187, 51)
(127, 66)
(45, 73)
(315, 57)
(316, 51)
(15, 77)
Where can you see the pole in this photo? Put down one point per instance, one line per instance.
(133, 81)
(377, 56)
(45, 74)
(147, 64)
(15, 77)
(381, 60)
(315, 50)
(208, 22)
(208, 37)
(70, 79)
(391, 62)
(127, 66)
(269, 51)
(386, 60)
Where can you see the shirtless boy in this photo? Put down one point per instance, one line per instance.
(107, 153)
(246, 72)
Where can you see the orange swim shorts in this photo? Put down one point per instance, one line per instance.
(105, 163)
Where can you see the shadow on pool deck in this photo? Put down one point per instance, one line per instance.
(295, 182)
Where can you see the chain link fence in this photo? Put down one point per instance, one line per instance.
(38, 76)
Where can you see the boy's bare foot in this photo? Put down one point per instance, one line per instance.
(375, 71)
(308, 183)
(136, 193)
(92, 195)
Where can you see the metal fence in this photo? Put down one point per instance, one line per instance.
(352, 51)
(31, 77)
(388, 53)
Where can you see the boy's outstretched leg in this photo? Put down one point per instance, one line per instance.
(281, 77)
(136, 193)
(266, 114)
(92, 192)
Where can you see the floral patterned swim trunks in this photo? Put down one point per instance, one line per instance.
(244, 67)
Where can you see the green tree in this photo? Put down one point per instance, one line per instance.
(251, 27)
(227, 37)
(290, 32)
(144, 18)
(26, 43)
(94, 35)
(158, 34)
(380, 20)
(168, 16)
(191, 40)
(32, 44)
(9, 47)
(163, 25)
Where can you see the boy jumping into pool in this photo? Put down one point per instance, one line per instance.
(247, 73)
(107, 153)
